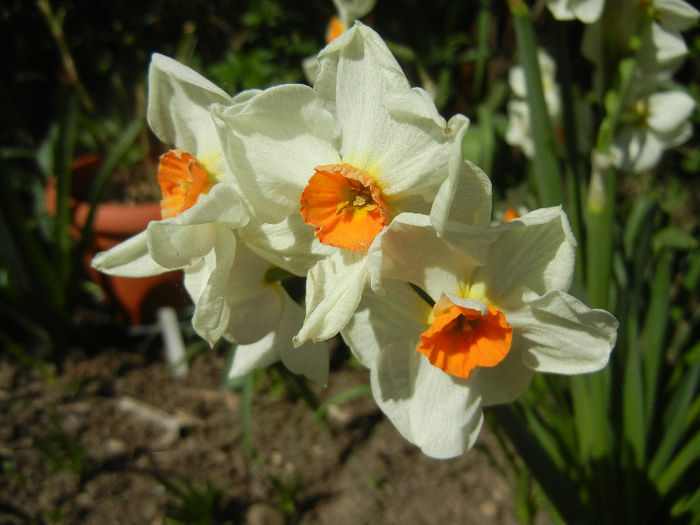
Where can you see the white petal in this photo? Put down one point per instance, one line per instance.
(398, 314)
(177, 246)
(636, 150)
(516, 80)
(310, 359)
(415, 104)
(129, 259)
(410, 250)
(289, 244)
(661, 51)
(212, 311)
(464, 197)
(433, 410)
(519, 132)
(536, 251)
(354, 44)
(392, 132)
(310, 67)
(272, 144)
(504, 382)
(560, 334)
(222, 205)
(676, 137)
(260, 354)
(178, 102)
(197, 275)
(669, 110)
(350, 10)
(676, 15)
(588, 11)
(255, 306)
(334, 287)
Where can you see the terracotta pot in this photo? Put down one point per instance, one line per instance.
(137, 298)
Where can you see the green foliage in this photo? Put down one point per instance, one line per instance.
(61, 451)
(620, 445)
(192, 503)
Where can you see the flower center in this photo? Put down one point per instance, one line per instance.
(461, 339)
(182, 180)
(344, 205)
(510, 214)
(335, 29)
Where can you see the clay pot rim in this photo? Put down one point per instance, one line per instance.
(111, 218)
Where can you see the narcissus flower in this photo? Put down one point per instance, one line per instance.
(332, 166)
(203, 232)
(347, 12)
(477, 332)
(658, 23)
(587, 11)
(652, 124)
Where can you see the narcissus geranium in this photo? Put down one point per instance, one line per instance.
(477, 332)
(203, 232)
(336, 163)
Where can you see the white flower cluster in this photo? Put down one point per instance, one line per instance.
(656, 115)
(359, 185)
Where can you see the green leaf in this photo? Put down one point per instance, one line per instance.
(675, 419)
(674, 239)
(685, 458)
(641, 208)
(554, 481)
(652, 337)
(547, 175)
(633, 427)
(353, 392)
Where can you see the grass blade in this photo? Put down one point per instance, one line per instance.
(653, 334)
(675, 419)
(553, 481)
(687, 456)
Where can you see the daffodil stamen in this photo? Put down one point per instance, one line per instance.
(344, 205)
(461, 339)
(182, 179)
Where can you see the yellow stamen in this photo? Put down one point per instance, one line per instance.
(182, 180)
(344, 205)
(461, 339)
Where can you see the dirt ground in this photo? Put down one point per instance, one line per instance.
(114, 438)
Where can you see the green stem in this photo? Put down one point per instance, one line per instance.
(547, 175)
(55, 23)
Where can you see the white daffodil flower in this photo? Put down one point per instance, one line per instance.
(485, 331)
(662, 49)
(519, 131)
(341, 161)
(652, 124)
(348, 11)
(201, 232)
(548, 75)
(587, 11)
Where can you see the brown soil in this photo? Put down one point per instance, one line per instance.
(114, 436)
